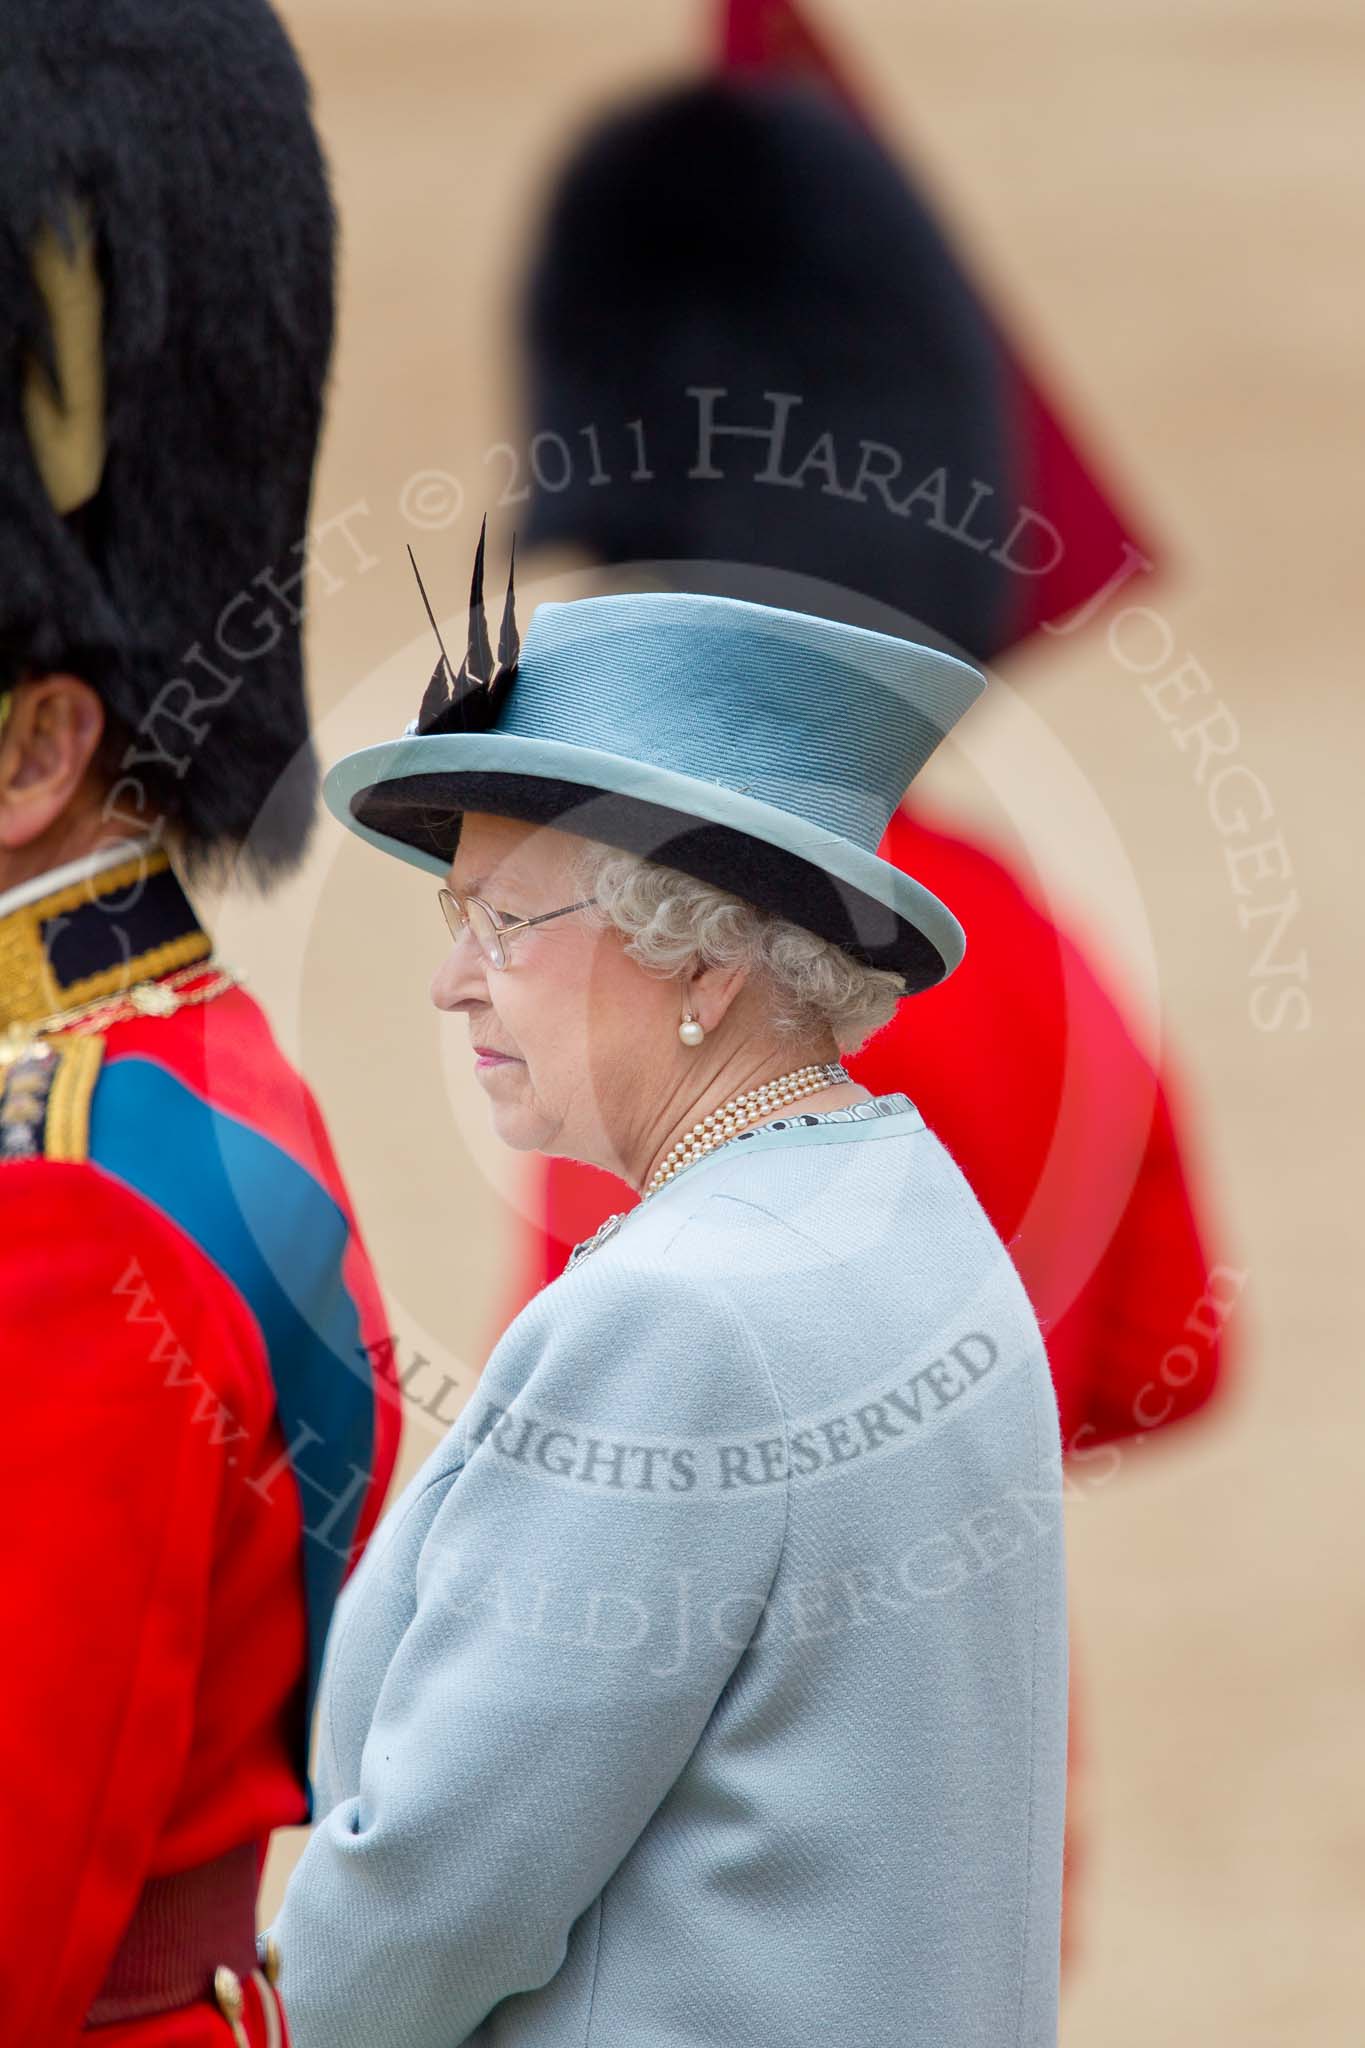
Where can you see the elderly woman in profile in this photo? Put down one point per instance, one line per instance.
(707, 1685)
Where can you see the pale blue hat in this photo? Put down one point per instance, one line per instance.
(761, 750)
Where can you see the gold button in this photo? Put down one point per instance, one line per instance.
(273, 1963)
(227, 1989)
(152, 1000)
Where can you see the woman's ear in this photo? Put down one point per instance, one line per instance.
(48, 744)
(710, 991)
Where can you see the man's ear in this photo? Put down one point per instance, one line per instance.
(47, 745)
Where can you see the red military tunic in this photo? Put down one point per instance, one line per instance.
(200, 1432)
(1023, 1066)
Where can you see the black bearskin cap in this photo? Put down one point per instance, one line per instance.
(183, 130)
(753, 237)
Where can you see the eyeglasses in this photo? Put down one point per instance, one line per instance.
(491, 931)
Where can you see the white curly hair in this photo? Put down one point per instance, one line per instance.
(671, 922)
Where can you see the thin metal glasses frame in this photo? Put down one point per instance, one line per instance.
(493, 946)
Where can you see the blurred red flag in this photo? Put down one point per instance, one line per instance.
(1098, 541)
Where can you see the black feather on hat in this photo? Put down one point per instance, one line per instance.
(753, 239)
(177, 136)
(468, 699)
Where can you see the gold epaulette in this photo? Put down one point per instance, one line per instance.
(45, 1095)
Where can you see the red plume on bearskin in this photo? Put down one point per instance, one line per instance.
(470, 698)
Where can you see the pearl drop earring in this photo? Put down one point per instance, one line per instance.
(690, 1031)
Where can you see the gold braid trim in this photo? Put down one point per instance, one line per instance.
(68, 1105)
(143, 967)
(29, 989)
(107, 882)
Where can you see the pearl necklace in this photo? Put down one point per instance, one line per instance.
(727, 1122)
(737, 1114)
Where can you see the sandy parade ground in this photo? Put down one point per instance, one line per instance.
(1166, 202)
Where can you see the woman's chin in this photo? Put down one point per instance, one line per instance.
(516, 1122)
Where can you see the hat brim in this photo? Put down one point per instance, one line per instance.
(408, 798)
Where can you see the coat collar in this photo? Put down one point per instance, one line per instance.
(92, 928)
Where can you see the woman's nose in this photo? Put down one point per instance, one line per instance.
(460, 980)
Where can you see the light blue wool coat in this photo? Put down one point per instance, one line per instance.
(707, 1687)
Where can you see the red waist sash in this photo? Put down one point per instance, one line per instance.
(182, 1928)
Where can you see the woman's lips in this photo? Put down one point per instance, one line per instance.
(484, 1058)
